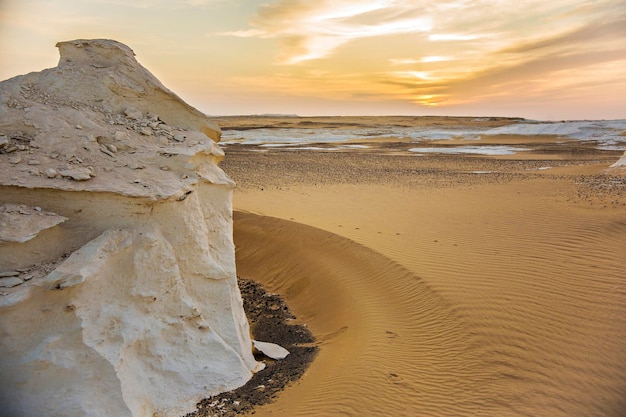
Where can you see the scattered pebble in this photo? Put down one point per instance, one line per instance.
(105, 151)
(16, 159)
(51, 173)
(133, 114)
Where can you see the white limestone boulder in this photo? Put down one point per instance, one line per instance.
(271, 350)
(121, 296)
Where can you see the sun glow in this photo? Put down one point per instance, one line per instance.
(525, 58)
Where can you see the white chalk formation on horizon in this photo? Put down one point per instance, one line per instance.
(621, 163)
(118, 291)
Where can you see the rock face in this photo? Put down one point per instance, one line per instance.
(118, 292)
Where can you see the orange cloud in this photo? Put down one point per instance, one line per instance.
(310, 30)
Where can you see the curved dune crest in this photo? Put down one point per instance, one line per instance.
(505, 305)
(389, 344)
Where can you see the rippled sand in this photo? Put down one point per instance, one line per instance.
(443, 285)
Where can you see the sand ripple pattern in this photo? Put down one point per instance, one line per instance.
(480, 339)
(389, 344)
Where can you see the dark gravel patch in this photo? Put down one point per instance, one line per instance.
(269, 318)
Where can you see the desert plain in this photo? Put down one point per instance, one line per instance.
(439, 284)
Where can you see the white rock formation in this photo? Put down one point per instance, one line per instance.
(621, 163)
(119, 293)
(271, 350)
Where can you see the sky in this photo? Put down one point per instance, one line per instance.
(538, 59)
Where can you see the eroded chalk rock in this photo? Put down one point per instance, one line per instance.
(271, 350)
(621, 163)
(77, 174)
(127, 305)
(10, 282)
(19, 223)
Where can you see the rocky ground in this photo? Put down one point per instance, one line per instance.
(270, 321)
(255, 168)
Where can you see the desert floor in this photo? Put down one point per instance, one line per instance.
(442, 285)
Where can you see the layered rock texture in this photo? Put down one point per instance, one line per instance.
(118, 292)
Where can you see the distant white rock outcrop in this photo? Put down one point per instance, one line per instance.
(621, 163)
(118, 291)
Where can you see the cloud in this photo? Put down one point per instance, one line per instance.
(158, 4)
(452, 37)
(311, 30)
(595, 34)
(448, 52)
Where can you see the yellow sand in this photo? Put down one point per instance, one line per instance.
(479, 298)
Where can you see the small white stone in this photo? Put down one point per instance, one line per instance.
(51, 172)
(146, 131)
(120, 135)
(16, 159)
(133, 114)
(33, 162)
(79, 127)
(179, 138)
(112, 147)
(271, 350)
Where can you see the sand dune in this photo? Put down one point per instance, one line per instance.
(388, 342)
(435, 292)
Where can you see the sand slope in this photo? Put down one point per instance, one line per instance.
(388, 342)
(496, 298)
(444, 285)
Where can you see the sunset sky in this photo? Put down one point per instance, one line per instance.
(550, 60)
